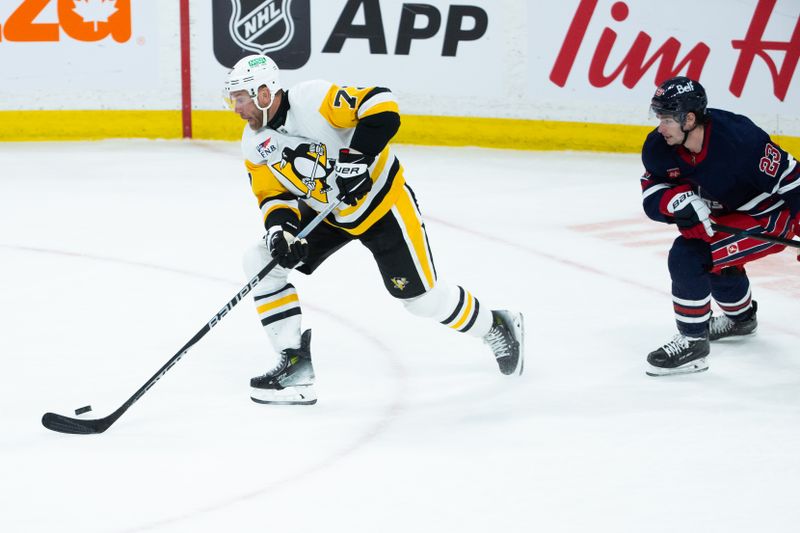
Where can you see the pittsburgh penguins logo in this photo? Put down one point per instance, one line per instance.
(307, 167)
(400, 283)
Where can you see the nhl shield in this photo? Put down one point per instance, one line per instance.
(277, 28)
(261, 27)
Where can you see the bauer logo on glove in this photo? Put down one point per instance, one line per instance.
(352, 175)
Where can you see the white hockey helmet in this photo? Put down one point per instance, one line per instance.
(249, 74)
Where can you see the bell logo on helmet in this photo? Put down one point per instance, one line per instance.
(689, 87)
(277, 28)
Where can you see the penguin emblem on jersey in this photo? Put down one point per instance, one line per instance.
(307, 168)
(400, 283)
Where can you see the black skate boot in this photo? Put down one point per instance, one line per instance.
(506, 341)
(681, 355)
(291, 382)
(721, 327)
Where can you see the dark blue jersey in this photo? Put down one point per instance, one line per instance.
(739, 169)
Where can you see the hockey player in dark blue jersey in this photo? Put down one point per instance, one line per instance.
(705, 166)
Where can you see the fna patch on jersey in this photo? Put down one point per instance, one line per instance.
(307, 168)
(280, 29)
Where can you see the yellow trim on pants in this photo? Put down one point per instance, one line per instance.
(413, 225)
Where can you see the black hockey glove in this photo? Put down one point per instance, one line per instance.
(285, 247)
(352, 175)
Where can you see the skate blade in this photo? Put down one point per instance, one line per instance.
(298, 395)
(519, 326)
(698, 365)
(734, 337)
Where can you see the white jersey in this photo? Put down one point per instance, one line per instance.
(295, 162)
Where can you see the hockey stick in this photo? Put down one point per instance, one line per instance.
(65, 424)
(750, 233)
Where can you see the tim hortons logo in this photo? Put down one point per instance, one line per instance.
(261, 26)
(666, 57)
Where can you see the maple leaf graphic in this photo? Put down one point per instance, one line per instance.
(95, 10)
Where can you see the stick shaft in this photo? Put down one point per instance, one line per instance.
(65, 424)
(748, 233)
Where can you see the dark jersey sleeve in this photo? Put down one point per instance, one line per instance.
(655, 182)
(374, 132)
(372, 112)
(775, 172)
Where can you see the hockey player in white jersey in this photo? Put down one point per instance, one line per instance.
(303, 147)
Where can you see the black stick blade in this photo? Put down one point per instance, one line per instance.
(65, 424)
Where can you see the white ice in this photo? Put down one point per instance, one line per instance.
(115, 253)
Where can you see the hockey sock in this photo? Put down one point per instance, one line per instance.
(276, 300)
(453, 306)
(689, 262)
(731, 290)
(280, 316)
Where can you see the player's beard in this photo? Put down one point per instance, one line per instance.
(256, 120)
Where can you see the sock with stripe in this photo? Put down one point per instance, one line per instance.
(454, 307)
(689, 265)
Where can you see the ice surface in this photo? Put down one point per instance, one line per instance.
(115, 253)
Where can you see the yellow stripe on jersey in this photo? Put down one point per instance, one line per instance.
(265, 186)
(341, 104)
(277, 303)
(263, 182)
(413, 227)
(381, 209)
(467, 312)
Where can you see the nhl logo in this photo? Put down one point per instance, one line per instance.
(280, 29)
(261, 26)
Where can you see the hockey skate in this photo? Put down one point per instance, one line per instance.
(291, 382)
(721, 327)
(505, 338)
(681, 355)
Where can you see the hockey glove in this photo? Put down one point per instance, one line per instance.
(352, 175)
(692, 216)
(285, 247)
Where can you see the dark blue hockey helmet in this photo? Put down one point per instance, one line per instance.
(679, 96)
